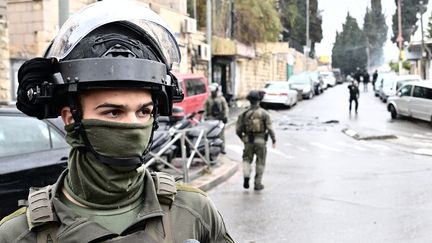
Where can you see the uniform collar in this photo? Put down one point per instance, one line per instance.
(75, 227)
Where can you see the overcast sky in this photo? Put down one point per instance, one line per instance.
(334, 13)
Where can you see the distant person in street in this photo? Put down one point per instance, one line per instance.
(366, 80)
(123, 82)
(358, 75)
(374, 78)
(253, 128)
(354, 95)
(216, 108)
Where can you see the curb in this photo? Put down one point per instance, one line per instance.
(214, 176)
(356, 135)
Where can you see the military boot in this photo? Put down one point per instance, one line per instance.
(246, 182)
(259, 187)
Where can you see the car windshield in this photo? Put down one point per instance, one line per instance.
(302, 78)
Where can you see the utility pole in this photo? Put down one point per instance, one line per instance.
(209, 41)
(306, 52)
(422, 67)
(400, 38)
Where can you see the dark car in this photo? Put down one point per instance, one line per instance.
(33, 153)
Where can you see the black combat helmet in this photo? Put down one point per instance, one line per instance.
(107, 45)
(254, 96)
(99, 48)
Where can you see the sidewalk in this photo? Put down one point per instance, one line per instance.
(226, 167)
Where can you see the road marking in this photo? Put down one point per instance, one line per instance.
(275, 151)
(302, 149)
(325, 147)
(352, 146)
(288, 144)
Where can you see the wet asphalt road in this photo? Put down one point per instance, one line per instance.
(324, 186)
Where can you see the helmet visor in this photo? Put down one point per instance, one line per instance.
(108, 11)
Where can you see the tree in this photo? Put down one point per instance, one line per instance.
(256, 21)
(409, 10)
(293, 19)
(349, 50)
(429, 28)
(375, 29)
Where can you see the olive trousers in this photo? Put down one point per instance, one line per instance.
(259, 151)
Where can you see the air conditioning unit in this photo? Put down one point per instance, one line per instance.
(189, 25)
(204, 52)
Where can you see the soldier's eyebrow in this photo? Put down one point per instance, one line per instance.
(116, 106)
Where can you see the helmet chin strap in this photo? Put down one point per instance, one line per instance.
(76, 110)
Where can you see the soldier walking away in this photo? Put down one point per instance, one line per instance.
(366, 80)
(216, 108)
(374, 79)
(108, 75)
(253, 128)
(354, 95)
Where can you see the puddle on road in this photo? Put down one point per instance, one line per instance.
(305, 123)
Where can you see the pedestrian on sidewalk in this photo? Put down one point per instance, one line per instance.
(253, 127)
(354, 95)
(108, 76)
(216, 108)
(366, 80)
(374, 78)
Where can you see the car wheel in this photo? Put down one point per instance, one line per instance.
(393, 112)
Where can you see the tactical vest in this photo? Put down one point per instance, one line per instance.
(253, 121)
(41, 214)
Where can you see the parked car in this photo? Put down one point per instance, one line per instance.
(278, 92)
(196, 91)
(393, 83)
(338, 75)
(384, 79)
(328, 78)
(33, 153)
(318, 82)
(303, 82)
(413, 99)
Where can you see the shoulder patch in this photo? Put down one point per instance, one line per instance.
(184, 187)
(14, 215)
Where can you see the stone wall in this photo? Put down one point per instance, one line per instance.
(4, 63)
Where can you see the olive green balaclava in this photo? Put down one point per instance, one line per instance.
(102, 186)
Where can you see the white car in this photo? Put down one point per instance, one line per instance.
(413, 99)
(392, 84)
(278, 92)
(328, 79)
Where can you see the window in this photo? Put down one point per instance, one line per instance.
(195, 87)
(406, 90)
(428, 93)
(19, 135)
(419, 92)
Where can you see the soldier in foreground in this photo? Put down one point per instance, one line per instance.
(253, 128)
(108, 75)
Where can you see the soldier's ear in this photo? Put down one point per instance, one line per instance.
(66, 115)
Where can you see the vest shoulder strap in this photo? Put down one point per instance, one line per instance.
(165, 186)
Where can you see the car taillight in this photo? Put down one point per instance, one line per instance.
(283, 94)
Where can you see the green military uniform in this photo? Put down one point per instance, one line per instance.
(217, 100)
(191, 215)
(253, 126)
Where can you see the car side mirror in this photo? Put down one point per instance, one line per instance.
(399, 94)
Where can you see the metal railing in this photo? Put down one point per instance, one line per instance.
(186, 161)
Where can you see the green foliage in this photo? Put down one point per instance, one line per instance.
(349, 50)
(256, 21)
(375, 29)
(395, 66)
(409, 8)
(429, 28)
(293, 18)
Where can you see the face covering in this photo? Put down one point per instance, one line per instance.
(95, 184)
